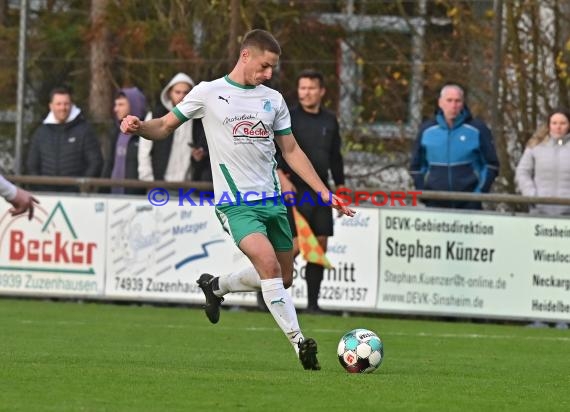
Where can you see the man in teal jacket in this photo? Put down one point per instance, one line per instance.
(454, 152)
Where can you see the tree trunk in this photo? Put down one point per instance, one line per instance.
(234, 33)
(563, 33)
(100, 92)
(3, 12)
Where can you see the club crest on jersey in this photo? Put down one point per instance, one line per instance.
(267, 105)
(246, 130)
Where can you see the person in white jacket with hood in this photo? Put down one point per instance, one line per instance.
(181, 156)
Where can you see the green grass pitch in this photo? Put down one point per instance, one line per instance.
(64, 356)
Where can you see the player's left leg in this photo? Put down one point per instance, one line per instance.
(280, 236)
(260, 251)
(306, 348)
(291, 219)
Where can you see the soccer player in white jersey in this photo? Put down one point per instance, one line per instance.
(242, 120)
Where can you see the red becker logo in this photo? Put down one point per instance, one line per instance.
(56, 248)
(248, 129)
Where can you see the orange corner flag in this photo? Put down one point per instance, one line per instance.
(308, 243)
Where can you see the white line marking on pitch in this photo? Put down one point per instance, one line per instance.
(441, 335)
(340, 332)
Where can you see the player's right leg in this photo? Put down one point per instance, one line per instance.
(213, 302)
(215, 287)
(238, 221)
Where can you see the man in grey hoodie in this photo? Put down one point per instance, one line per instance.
(65, 144)
(184, 154)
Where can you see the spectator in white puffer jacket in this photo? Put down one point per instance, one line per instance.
(544, 168)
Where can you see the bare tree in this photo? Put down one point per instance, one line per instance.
(101, 80)
(3, 10)
(234, 32)
(534, 78)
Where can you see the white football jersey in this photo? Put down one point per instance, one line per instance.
(240, 124)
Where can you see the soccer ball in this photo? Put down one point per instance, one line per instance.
(360, 351)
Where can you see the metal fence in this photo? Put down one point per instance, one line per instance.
(91, 185)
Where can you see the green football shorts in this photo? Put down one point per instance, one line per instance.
(269, 218)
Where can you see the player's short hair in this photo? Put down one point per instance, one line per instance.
(59, 90)
(313, 75)
(262, 40)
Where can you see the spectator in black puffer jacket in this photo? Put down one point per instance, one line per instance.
(64, 145)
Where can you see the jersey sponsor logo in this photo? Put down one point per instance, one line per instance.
(250, 130)
(225, 99)
(239, 118)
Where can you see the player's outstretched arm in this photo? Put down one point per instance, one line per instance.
(298, 161)
(21, 200)
(22, 203)
(154, 129)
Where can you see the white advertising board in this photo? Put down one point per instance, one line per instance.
(353, 252)
(474, 264)
(61, 251)
(159, 252)
(422, 261)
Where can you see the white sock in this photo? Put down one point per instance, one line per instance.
(281, 306)
(245, 280)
